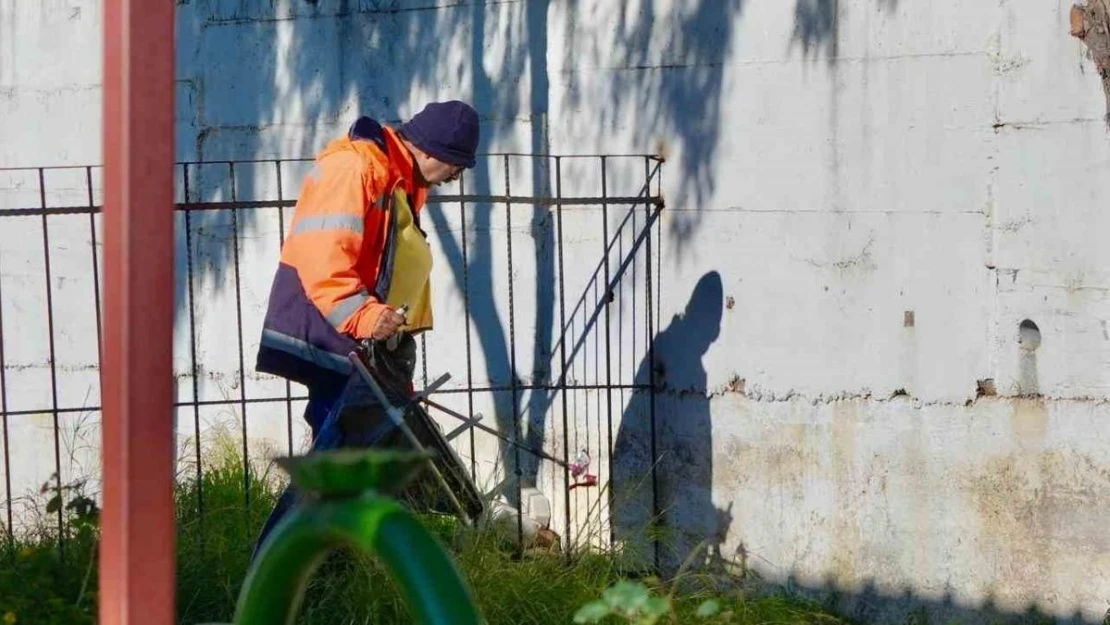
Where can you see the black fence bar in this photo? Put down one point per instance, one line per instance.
(61, 411)
(563, 354)
(608, 299)
(654, 293)
(589, 202)
(239, 338)
(295, 397)
(544, 387)
(195, 377)
(522, 200)
(238, 402)
(10, 529)
(466, 330)
(512, 358)
(95, 268)
(53, 364)
(651, 370)
(602, 355)
(479, 155)
(627, 239)
(281, 242)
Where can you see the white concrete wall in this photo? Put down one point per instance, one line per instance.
(844, 166)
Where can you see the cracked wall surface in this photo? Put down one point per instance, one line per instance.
(890, 216)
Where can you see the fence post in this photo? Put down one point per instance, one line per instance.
(137, 545)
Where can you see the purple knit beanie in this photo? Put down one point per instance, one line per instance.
(447, 131)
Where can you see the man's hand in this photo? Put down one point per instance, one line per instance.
(388, 324)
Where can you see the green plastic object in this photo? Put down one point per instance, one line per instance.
(349, 503)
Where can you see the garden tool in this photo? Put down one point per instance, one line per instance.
(419, 431)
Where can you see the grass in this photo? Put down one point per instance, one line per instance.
(213, 547)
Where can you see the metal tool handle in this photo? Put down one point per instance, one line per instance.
(397, 415)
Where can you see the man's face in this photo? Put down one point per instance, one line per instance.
(435, 171)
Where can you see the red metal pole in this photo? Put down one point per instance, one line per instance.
(137, 520)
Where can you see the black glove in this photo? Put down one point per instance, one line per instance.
(392, 368)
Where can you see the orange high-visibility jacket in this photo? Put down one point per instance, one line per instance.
(354, 248)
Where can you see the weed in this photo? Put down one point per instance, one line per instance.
(215, 538)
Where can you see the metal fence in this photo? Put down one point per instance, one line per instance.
(560, 282)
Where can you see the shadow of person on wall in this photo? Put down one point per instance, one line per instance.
(683, 460)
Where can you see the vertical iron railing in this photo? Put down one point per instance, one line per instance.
(579, 406)
(194, 379)
(9, 528)
(51, 351)
(563, 347)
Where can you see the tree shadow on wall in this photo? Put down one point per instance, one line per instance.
(263, 79)
(294, 74)
(266, 79)
(666, 83)
(817, 26)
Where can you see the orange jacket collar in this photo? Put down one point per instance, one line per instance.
(398, 162)
(402, 162)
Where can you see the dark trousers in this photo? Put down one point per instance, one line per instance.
(322, 402)
(349, 415)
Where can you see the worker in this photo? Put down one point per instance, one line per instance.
(355, 266)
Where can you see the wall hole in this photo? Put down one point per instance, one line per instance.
(1029, 335)
(986, 388)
